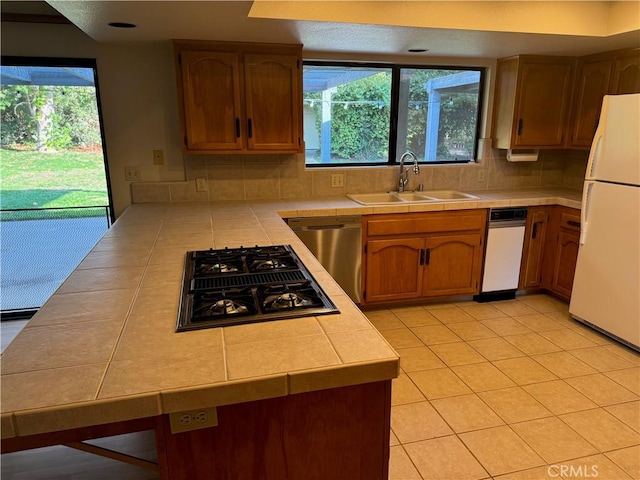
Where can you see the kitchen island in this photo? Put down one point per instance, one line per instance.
(292, 397)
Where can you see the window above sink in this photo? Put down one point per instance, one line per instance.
(359, 114)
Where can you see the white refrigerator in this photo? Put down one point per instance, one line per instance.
(606, 287)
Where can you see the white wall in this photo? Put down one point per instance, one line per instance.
(137, 95)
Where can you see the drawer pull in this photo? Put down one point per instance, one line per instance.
(573, 223)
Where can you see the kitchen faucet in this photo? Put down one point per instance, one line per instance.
(404, 174)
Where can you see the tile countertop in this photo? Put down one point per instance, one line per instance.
(103, 347)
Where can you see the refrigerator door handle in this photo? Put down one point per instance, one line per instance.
(594, 155)
(584, 211)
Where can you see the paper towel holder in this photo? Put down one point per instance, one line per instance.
(523, 155)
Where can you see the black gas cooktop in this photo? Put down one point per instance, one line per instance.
(233, 286)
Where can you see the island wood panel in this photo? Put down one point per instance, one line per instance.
(337, 434)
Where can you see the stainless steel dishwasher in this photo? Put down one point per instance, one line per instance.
(337, 244)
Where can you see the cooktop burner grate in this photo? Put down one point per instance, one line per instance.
(265, 283)
(246, 280)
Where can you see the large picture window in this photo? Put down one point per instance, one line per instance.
(369, 114)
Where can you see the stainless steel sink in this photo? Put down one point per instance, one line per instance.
(398, 198)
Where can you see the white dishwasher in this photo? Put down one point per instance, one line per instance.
(505, 239)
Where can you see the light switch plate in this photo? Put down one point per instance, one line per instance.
(158, 157)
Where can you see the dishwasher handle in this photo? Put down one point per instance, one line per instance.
(507, 223)
(324, 227)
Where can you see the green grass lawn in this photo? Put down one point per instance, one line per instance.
(30, 179)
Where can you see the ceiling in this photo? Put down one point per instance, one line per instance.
(477, 28)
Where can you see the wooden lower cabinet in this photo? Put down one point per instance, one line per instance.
(531, 268)
(410, 256)
(339, 434)
(393, 269)
(565, 263)
(453, 265)
(564, 251)
(552, 238)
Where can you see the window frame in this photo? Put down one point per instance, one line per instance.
(396, 69)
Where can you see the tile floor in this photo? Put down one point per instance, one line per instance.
(513, 389)
(503, 390)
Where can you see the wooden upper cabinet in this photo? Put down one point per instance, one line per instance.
(239, 97)
(212, 108)
(592, 84)
(272, 90)
(531, 101)
(608, 73)
(625, 77)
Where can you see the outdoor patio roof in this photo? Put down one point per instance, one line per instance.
(65, 76)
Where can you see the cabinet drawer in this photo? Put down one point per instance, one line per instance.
(432, 222)
(570, 221)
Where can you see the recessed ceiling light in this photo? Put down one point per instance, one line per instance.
(418, 50)
(122, 25)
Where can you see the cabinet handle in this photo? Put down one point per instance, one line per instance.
(534, 234)
(573, 223)
(249, 128)
(421, 256)
(237, 128)
(427, 257)
(520, 123)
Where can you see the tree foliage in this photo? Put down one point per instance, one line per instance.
(49, 117)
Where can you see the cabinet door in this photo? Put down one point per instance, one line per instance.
(452, 264)
(542, 104)
(533, 250)
(591, 87)
(273, 101)
(565, 263)
(626, 73)
(212, 108)
(393, 269)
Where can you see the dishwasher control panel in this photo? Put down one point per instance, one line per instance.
(508, 214)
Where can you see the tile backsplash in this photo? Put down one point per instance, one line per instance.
(262, 177)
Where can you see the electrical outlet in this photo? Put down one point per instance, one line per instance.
(132, 174)
(201, 184)
(158, 157)
(337, 180)
(481, 175)
(193, 420)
